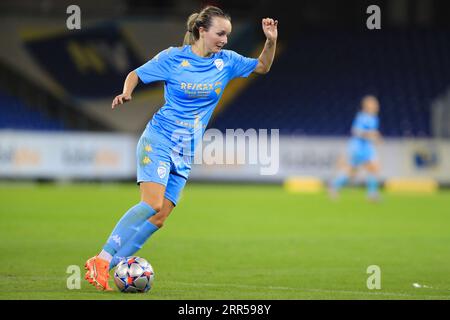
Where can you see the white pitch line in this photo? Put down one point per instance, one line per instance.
(244, 286)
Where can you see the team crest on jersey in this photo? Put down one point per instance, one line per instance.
(219, 64)
(162, 172)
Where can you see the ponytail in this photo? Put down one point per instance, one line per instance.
(192, 33)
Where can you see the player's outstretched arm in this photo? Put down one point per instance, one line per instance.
(270, 28)
(130, 83)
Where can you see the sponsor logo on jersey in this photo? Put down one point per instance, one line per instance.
(196, 86)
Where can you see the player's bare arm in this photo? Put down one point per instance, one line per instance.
(265, 60)
(130, 83)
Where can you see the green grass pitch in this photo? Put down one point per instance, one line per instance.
(231, 242)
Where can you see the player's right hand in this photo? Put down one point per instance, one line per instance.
(120, 99)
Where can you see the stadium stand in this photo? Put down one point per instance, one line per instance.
(17, 115)
(406, 70)
(25, 105)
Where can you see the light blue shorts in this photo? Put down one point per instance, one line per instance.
(157, 162)
(360, 154)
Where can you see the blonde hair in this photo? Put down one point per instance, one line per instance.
(202, 19)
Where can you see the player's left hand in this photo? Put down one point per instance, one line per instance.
(270, 28)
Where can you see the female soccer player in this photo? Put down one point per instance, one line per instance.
(195, 76)
(361, 149)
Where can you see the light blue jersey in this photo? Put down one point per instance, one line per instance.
(193, 87)
(361, 150)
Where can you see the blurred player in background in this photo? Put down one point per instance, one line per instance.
(361, 150)
(195, 76)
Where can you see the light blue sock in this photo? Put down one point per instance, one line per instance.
(340, 181)
(372, 185)
(134, 244)
(127, 226)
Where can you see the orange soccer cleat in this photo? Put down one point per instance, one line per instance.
(98, 273)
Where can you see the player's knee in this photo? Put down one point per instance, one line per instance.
(352, 173)
(373, 168)
(156, 205)
(152, 194)
(158, 220)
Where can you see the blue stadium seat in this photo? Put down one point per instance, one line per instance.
(14, 114)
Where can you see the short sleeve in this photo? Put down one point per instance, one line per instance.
(376, 123)
(241, 66)
(156, 69)
(358, 123)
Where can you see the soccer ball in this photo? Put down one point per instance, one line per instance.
(134, 274)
